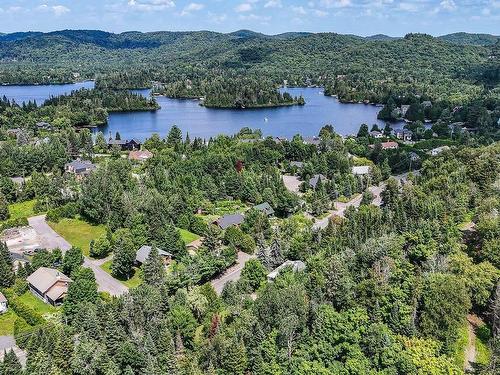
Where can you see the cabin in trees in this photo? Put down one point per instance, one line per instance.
(265, 208)
(404, 135)
(143, 254)
(48, 284)
(361, 170)
(294, 265)
(313, 182)
(125, 144)
(80, 168)
(3, 303)
(376, 134)
(227, 221)
(389, 145)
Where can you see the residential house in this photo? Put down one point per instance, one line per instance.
(3, 303)
(43, 125)
(316, 141)
(280, 139)
(427, 104)
(80, 168)
(361, 170)
(143, 254)
(404, 135)
(140, 156)
(391, 145)
(436, 151)
(295, 265)
(297, 164)
(125, 144)
(376, 134)
(414, 156)
(313, 182)
(265, 208)
(48, 284)
(227, 221)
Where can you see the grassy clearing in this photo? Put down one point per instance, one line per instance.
(7, 320)
(483, 335)
(187, 236)
(37, 304)
(133, 282)
(78, 232)
(458, 352)
(20, 210)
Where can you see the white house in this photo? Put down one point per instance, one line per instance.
(3, 303)
(294, 265)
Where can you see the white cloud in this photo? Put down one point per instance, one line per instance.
(486, 12)
(408, 7)
(150, 5)
(254, 17)
(58, 10)
(244, 7)
(299, 10)
(273, 4)
(216, 18)
(448, 5)
(192, 7)
(335, 3)
(320, 13)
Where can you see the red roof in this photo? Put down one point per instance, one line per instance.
(390, 144)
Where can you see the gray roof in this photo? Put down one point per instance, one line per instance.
(81, 165)
(265, 207)
(297, 164)
(144, 251)
(118, 142)
(312, 141)
(361, 170)
(2, 298)
(315, 179)
(44, 278)
(295, 265)
(228, 220)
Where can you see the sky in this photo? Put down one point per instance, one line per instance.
(360, 17)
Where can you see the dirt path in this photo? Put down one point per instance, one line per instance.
(233, 273)
(470, 350)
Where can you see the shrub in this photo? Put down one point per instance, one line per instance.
(24, 311)
(68, 211)
(13, 223)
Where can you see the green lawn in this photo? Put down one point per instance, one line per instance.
(22, 209)
(483, 335)
(37, 304)
(78, 233)
(7, 320)
(133, 282)
(187, 236)
(458, 352)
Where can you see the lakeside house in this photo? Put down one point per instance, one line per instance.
(265, 208)
(3, 303)
(361, 170)
(80, 167)
(48, 284)
(143, 254)
(404, 135)
(227, 221)
(376, 134)
(295, 265)
(313, 181)
(125, 144)
(140, 156)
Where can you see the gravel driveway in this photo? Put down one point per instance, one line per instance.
(232, 273)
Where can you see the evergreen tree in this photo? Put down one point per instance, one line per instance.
(7, 276)
(11, 364)
(83, 289)
(73, 259)
(153, 269)
(124, 253)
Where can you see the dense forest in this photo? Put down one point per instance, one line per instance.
(386, 289)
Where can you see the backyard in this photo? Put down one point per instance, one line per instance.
(187, 236)
(133, 282)
(7, 320)
(21, 210)
(78, 232)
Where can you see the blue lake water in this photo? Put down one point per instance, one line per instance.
(203, 122)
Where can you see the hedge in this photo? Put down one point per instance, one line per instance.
(13, 223)
(31, 317)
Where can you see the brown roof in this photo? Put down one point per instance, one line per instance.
(390, 144)
(44, 278)
(57, 291)
(140, 155)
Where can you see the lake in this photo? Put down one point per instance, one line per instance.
(203, 122)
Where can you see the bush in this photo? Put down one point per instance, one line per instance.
(13, 223)
(24, 311)
(20, 287)
(68, 211)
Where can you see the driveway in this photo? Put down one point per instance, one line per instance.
(50, 240)
(6, 344)
(233, 273)
(340, 207)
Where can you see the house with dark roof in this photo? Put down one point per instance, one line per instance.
(125, 144)
(313, 182)
(79, 167)
(265, 208)
(227, 221)
(48, 284)
(143, 254)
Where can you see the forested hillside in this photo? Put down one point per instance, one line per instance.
(369, 67)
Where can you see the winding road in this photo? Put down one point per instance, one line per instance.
(232, 273)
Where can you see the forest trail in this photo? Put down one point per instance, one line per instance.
(470, 351)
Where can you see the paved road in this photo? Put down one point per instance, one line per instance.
(233, 273)
(340, 207)
(50, 240)
(6, 344)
